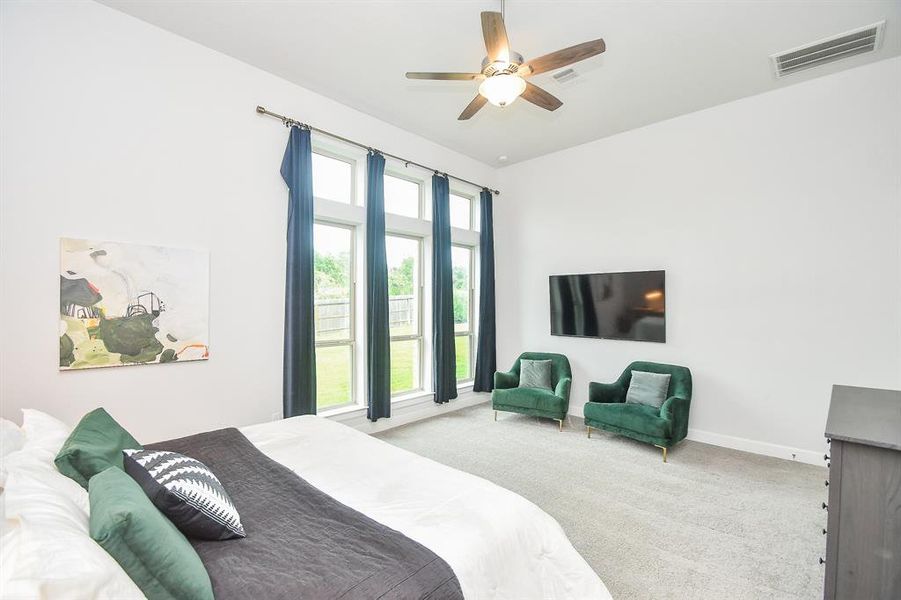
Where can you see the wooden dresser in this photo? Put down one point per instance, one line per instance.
(863, 542)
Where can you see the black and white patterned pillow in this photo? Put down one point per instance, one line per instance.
(186, 491)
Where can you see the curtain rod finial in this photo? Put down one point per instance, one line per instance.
(260, 109)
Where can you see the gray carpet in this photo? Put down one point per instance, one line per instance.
(711, 523)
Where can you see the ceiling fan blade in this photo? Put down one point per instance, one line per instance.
(539, 97)
(567, 56)
(473, 107)
(495, 34)
(444, 76)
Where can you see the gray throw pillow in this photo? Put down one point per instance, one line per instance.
(535, 374)
(648, 388)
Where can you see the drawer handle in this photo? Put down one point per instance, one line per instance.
(825, 506)
(826, 457)
(822, 562)
(824, 531)
(827, 483)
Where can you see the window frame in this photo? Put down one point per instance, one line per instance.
(419, 335)
(345, 158)
(351, 340)
(471, 331)
(420, 201)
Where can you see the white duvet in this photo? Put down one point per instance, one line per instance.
(499, 544)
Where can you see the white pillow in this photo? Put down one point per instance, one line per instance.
(12, 437)
(46, 550)
(43, 431)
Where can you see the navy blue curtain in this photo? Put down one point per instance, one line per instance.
(444, 366)
(299, 382)
(378, 341)
(486, 359)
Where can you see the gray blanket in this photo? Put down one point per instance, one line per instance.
(301, 543)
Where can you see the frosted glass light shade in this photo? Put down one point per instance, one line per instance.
(502, 89)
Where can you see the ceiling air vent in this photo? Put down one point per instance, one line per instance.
(844, 45)
(565, 75)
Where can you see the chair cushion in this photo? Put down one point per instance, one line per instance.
(535, 374)
(531, 398)
(648, 388)
(639, 418)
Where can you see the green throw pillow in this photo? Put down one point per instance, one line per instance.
(535, 374)
(648, 388)
(157, 557)
(96, 443)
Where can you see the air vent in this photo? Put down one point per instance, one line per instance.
(844, 45)
(565, 75)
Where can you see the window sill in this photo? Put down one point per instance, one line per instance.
(412, 398)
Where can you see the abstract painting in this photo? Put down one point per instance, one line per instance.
(129, 304)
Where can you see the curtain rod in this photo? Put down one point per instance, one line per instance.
(288, 122)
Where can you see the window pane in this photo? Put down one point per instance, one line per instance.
(332, 250)
(333, 376)
(405, 367)
(460, 208)
(401, 197)
(332, 178)
(461, 262)
(403, 285)
(461, 344)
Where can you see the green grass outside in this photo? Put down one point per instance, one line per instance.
(333, 379)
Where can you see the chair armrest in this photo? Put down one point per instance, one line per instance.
(504, 380)
(605, 392)
(563, 386)
(673, 406)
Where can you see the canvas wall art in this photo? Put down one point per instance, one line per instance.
(129, 304)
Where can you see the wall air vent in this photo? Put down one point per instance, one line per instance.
(844, 45)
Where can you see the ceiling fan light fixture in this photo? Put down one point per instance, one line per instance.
(502, 89)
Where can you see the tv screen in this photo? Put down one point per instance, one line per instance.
(618, 306)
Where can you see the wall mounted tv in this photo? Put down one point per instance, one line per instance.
(617, 306)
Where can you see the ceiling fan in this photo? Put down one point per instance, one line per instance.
(503, 70)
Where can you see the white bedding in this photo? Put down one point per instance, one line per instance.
(499, 544)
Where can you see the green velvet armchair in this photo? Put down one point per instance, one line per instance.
(508, 396)
(607, 409)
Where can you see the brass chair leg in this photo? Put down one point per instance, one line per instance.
(495, 415)
(664, 451)
(561, 424)
(588, 427)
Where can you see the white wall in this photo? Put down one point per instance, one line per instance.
(114, 129)
(777, 220)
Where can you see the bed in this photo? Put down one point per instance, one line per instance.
(497, 544)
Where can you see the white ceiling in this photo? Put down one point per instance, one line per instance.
(663, 59)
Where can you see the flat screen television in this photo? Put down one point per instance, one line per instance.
(617, 306)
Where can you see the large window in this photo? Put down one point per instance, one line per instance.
(462, 262)
(404, 308)
(402, 196)
(334, 314)
(332, 178)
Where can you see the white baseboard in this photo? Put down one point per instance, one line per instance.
(811, 457)
(404, 412)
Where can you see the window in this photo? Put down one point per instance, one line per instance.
(334, 314)
(402, 196)
(462, 263)
(460, 211)
(404, 307)
(332, 178)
